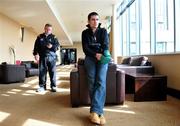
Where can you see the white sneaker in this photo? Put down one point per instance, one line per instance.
(41, 89)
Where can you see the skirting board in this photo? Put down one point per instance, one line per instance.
(173, 92)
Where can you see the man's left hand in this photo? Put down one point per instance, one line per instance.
(49, 45)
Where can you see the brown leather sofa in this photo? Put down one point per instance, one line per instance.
(136, 64)
(115, 89)
(31, 68)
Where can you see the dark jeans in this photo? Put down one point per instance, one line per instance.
(47, 63)
(96, 75)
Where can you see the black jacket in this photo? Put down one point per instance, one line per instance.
(93, 43)
(40, 46)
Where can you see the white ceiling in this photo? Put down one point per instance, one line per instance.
(68, 17)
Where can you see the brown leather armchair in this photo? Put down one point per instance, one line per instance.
(115, 85)
(10, 73)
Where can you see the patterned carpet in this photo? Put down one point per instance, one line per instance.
(20, 105)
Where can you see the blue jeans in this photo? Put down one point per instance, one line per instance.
(96, 75)
(47, 63)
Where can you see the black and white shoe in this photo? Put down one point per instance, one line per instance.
(53, 89)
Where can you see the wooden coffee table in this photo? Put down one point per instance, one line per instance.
(147, 87)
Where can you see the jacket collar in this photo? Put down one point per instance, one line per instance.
(47, 35)
(91, 29)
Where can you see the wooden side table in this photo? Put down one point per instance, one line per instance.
(147, 87)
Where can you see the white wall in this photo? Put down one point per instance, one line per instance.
(10, 35)
(168, 65)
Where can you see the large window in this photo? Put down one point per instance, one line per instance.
(124, 22)
(164, 26)
(133, 29)
(145, 26)
(150, 26)
(177, 10)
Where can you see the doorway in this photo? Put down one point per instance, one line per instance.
(68, 56)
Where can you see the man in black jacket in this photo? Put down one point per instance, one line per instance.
(95, 42)
(44, 52)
